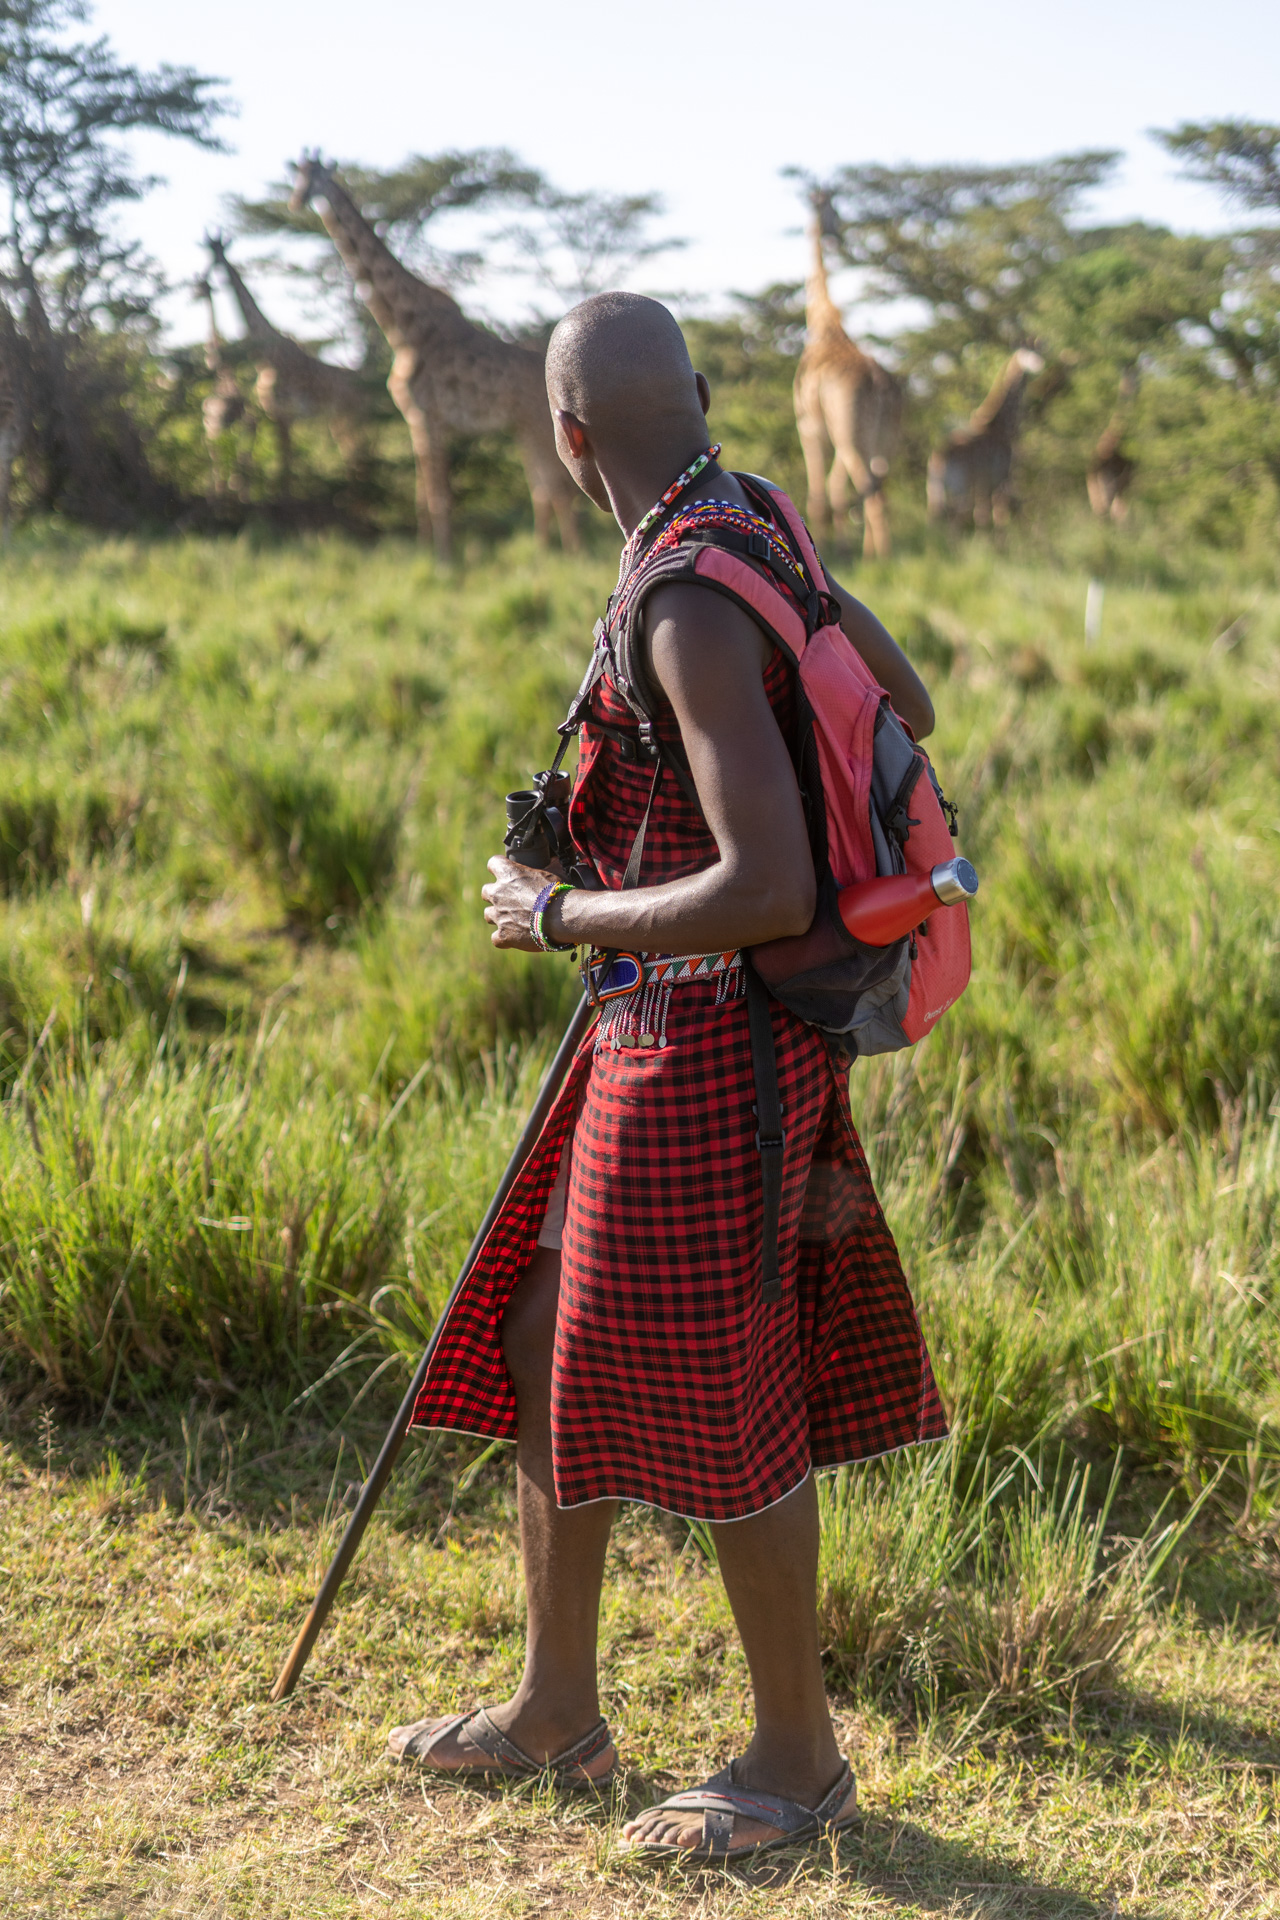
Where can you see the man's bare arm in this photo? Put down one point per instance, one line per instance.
(886, 660)
(708, 657)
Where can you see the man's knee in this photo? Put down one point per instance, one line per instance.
(529, 1323)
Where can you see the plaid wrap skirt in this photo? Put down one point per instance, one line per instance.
(673, 1383)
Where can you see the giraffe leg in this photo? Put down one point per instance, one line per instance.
(550, 488)
(876, 544)
(936, 487)
(541, 516)
(349, 438)
(838, 495)
(434, 501)
(814, 444)
(566, 504)
(848, 462)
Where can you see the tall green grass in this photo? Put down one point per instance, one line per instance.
(246, 798)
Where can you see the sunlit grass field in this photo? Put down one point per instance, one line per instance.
(259, 1067)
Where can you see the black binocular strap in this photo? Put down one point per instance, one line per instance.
(770, 1138)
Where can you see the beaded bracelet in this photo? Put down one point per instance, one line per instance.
(536, 918)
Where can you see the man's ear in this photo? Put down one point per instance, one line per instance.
(704, 391)
(574, 432)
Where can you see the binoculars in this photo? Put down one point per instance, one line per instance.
(536, 830)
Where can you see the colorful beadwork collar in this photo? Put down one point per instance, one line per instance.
(664, 500)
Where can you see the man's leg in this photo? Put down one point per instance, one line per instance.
(770, 1568)
(564, 1551)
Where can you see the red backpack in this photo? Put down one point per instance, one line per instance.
(871, 801)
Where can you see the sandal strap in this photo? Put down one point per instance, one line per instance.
(721, 1802)
(487, 1739)
(576, 1759)
(508, 1758)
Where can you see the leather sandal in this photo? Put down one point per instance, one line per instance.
(497, 1757)
(721, 1802)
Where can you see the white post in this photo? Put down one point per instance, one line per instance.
(1093, 613)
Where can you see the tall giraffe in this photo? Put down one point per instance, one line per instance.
(1111, 468)
(15, 410)
(292, 383)
(844, 401)
(971, 472)
(226, 407)
(448, 376)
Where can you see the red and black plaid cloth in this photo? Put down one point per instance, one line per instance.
(673, 1383)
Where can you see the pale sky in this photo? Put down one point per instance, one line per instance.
(703, 104)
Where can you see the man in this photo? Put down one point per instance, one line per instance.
(614, 1324)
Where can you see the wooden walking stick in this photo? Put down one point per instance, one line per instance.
(381, 1473)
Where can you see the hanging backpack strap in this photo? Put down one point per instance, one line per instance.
(770, 1138)
(595, 966)
(635, 859)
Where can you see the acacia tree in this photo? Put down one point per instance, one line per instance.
(403, 203)
(568, 244)
(1240, 156)
(579, 243)
(68, 276)
(971, 244)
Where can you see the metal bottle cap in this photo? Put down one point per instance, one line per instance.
(954, 880)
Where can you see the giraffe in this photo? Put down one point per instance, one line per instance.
(972, 470)
(226, 407)
(15, 411)
(292, 383)
(448, 376)
(1111, 468)
(844, 401)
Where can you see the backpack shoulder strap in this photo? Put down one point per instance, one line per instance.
(779, 506)
(787, 587)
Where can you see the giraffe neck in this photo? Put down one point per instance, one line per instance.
(403, 306)
(821, 314)
(256, 322)
(999, 410)
(213, 354)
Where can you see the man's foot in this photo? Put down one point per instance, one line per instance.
(726, 1818)
(472, 1743)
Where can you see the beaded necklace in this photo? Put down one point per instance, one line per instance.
(704, 513)
(660, 505)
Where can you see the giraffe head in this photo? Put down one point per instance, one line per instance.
(824, 213)
(309, 178)
(217, 245)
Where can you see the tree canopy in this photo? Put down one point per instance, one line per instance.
(62, 102)
(567, 244)
(972, 244)
(1240, 156)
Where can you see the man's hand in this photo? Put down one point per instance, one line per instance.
(509, 898)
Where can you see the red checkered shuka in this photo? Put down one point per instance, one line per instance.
(673, 1383)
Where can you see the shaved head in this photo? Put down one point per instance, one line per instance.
(619, 364)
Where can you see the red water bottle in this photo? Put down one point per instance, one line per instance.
(880, 911)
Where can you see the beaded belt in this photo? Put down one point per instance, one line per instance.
(634, 993)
